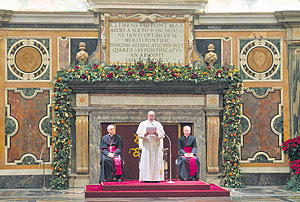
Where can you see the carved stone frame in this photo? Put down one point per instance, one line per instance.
(139, 17)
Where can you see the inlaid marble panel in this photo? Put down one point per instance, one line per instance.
(262, 125)
(28, 127)
(260, 59)
(28, 59)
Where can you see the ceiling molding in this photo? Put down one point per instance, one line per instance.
(235, 18)
(5, 16)
(288, 18)
(148, 6)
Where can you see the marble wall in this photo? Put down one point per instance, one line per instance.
(261, 57)
(294, 75)
(28, 64)
(27, 67)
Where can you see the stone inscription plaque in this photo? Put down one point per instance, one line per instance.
(131, 41)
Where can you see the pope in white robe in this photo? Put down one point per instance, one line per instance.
(151, 162)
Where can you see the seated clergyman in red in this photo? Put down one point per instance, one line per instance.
(111, 160)
(187, 162)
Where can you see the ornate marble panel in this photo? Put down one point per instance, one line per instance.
(28, 59)
(28, 127)
(63, 52)
(262, 125)
(212, 100)
(82, 100)
(260, 59)
(227, 50)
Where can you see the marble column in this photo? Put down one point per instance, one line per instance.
(82, 124)
(82, 133)
(213, 109)
(213, 131)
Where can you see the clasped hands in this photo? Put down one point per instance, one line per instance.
(155, 133)
(187, 155)
(111, 155)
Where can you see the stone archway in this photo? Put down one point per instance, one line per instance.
(173, 102)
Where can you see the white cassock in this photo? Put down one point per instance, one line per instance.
(151, 162)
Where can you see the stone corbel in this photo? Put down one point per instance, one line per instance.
(213, 131)
(5, 16)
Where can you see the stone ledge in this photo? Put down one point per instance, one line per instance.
(78, 180)
(265, 179)
(147, 6)
(24, 181)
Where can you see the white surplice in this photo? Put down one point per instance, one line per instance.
(151, 162)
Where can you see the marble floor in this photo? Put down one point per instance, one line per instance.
(252, 194)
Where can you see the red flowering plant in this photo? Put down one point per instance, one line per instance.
(295, 167)
(291, 147)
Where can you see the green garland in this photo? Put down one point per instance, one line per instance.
(151, 71)
(232, 134)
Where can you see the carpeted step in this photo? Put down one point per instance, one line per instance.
(214, 191)
(141, 186)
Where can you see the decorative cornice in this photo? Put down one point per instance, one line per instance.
(288, 18)
(145, 17)
(146, 87)
(147, 6)
(5, 16)
(53, 18)
(235, 18)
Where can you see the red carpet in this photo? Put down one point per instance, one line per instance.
(161, 189)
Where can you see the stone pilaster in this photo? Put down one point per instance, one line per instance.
(291, 21)
(213, 131)
(82, 132)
